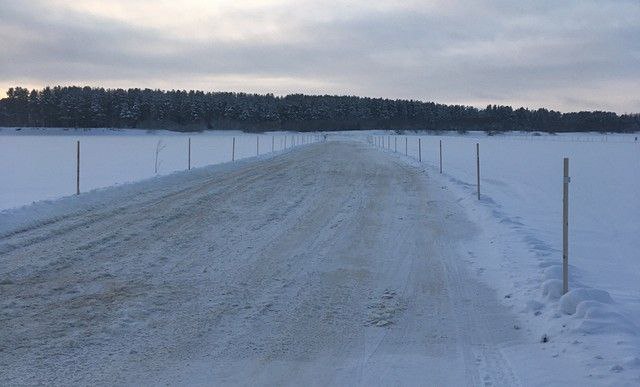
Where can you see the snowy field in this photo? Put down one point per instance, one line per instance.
(340, 262)
(40, 164)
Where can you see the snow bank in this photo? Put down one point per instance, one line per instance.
(570, 301)
(552, 289)
(594, 317)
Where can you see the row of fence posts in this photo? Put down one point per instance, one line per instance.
(295, 140)
(379, 141)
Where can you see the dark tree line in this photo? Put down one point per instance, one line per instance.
(86, 107)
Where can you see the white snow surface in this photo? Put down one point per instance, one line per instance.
(40, 163)
(334, 263)
(519, 249)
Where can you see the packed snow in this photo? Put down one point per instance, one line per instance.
(328, 263)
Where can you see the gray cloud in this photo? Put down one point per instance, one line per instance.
(570, 56)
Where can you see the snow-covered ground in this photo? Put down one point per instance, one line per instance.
(40, 164)
(518, 251)
(332, 263)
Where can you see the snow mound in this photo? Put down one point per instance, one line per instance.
(570, 301)
(552, 289)
(600, 317)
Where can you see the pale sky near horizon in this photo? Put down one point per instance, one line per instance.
(565, 55)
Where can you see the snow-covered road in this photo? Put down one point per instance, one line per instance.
(330, 264)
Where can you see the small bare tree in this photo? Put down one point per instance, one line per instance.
(159, 147)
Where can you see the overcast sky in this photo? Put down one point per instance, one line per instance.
(566, 55)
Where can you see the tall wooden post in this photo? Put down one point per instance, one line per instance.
(440, 156)
(273, 143)
(233, 150)
(565, 227)
(478, 167)
(78, 168)
(189, 155)
(419, 149)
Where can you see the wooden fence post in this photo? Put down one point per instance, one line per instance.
(565, 227)
(189, 155)
(78, 168)
(478, 167)
(440, 156)
(233, 150)
(419, 149)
